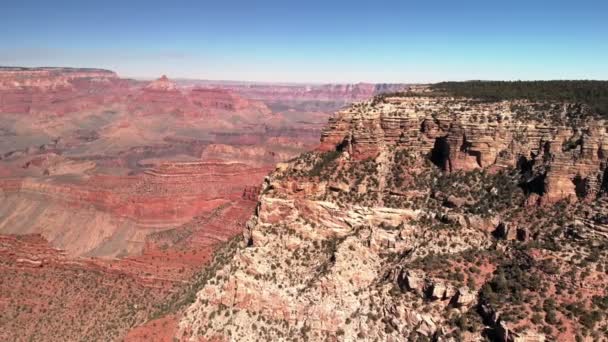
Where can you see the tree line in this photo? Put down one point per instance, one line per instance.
(592, 93)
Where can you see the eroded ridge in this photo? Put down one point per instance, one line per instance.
(424, 218)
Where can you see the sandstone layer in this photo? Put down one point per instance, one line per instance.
(422, 218)
(564, 154)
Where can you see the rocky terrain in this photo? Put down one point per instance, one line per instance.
(119, 212)
(421, 216)
(140, 211)
(114, 193)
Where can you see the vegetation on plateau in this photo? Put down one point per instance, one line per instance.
(592, 93)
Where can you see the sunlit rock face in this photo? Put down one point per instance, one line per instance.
(465, 135)
(56, 91)
(115, 192)
(420, 217)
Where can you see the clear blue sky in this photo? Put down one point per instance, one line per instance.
(313, 41)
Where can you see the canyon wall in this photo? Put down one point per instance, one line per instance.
(564, 154)
(108, 203)
(419, 218)
(93, 217)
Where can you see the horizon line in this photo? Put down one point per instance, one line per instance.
(278, 82)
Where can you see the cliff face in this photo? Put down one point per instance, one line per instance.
(50, 78)
(57, 91)
(119, 212)
(561, 146)
(423, 218)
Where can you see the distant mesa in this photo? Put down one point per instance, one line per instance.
(56, 91)
(49, 78)
(162, 84)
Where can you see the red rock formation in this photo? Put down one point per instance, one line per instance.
(50, 78)
(52, 297)
(163, 96)
(171, 194)
(56, 90)
(159, 96)
(65, 90)
(47, 186)
(251, 193)
(161, 84)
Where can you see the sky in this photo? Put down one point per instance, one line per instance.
(312, 41)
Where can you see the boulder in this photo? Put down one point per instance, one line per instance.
(412, 281)
(436, 290)
(465, 297)
(454, 202)
(427, 327)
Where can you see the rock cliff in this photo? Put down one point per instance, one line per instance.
(114, 192)
(423, 217)
(57, 91)
(561, 146)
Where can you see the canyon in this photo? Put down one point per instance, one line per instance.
(424, 217)
(114, 193)
(289, 171)
(222, 211)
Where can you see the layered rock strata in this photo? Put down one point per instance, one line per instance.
(564, 154)
(399, 228)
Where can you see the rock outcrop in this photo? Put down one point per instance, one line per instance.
(563, 155)
(389, 231)
(114, 192)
